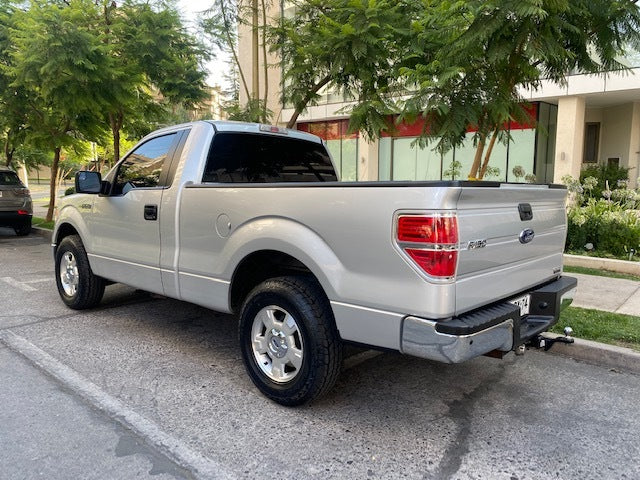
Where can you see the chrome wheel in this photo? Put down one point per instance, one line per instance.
(69, 274)
(277, 344)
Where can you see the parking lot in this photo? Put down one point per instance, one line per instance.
(149, 387)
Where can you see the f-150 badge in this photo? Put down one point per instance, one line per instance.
(473, 244)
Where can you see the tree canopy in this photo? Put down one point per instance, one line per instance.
(455, 63)
(80, 71)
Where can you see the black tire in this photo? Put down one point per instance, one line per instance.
(89, 288)
(316, 336)
(23, 230)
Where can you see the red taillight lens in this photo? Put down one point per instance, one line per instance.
(437, 263)
(431, 242)
(23, 212)
(22, 192)
(437, 229)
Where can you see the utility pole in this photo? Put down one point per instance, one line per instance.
(254, 44)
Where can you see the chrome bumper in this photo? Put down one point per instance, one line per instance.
(420, 339)
(495, 327)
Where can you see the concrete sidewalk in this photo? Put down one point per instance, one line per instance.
(609, 294)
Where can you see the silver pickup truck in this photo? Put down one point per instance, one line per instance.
(252, 220)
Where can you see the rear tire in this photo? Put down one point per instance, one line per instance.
(289, 342)
(78, 287)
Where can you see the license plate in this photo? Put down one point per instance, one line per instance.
(523, 303)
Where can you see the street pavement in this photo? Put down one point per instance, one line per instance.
(145, 387)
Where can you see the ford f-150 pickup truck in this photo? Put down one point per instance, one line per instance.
(253, 220)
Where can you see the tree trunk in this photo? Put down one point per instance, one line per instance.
(302, 105)
(8, 152)
(116, 120)
(487, 156)
(473, 173)
(53, 183)
(265, 59)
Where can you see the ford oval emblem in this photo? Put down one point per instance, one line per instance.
(527, 235)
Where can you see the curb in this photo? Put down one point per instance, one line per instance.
(43, 232)
(601, 354)
(613, 265)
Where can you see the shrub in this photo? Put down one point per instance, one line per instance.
(70, 191)
(603, 174)
(607, 225)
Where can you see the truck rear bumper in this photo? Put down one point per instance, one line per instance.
(496, 327)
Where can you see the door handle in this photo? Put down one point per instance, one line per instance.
(151, 212)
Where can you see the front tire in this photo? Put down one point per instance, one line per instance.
(78, 287)
(289, 342)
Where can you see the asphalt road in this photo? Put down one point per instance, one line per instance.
(146, 387)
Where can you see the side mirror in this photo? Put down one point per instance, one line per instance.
(88, 182)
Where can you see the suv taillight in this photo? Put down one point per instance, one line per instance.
(430, 242)
(22, 192)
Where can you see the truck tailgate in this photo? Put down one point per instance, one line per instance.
(505, 250)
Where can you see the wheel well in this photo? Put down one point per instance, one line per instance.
(258, 267)
(64, 231)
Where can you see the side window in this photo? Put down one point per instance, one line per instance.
(256, 158)
(143, 167)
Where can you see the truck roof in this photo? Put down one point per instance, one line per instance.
(246, 127)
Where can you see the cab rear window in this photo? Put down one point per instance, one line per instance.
(255, 158)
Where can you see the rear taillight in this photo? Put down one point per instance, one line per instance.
(22, 192)
(430, 242)
(23, 212)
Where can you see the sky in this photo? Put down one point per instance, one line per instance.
(191, 11)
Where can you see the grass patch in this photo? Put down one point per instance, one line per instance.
(42, 223)
(597, 254)
(599, 326)
(601, 273)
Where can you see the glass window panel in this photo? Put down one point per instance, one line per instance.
(428, 164)
(497, 161)
(448, 167)
(335, 150)
(465, 155)
(384, 158)
(142, 168)
(521, 153)
(404, 159)
(349, 159)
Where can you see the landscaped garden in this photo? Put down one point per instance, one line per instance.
(604, 214)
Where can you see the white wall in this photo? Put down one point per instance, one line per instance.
(615, 134)
(569, 137)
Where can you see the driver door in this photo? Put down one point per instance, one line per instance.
(125, 226)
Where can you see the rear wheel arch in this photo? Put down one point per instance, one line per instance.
(262, 265)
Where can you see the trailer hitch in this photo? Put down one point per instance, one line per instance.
(546, 343)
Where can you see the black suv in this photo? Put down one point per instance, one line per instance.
(16, 209)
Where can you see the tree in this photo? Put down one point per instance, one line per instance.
(492, 48)
(457, 64)
(155, 62)
(352, 47)
(221, 23)
(62, 67)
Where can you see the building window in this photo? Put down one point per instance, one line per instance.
(342, 145)
(591, 142)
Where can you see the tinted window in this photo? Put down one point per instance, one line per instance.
(142, 168)
(9, 178)
(242, 158)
